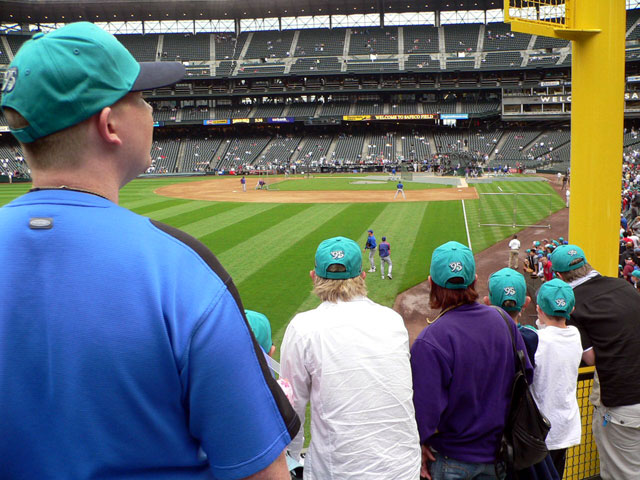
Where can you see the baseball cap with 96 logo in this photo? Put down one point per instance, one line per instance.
(563, 257)
(453, 260)
(556, 298)
(507, 284)
(340, 251)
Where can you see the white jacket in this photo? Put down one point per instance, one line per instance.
(351, 360)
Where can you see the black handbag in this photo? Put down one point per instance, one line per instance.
(523, 439)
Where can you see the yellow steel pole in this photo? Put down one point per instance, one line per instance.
(597, 116)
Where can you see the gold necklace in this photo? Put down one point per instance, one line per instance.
(429, 321)
(65, 187)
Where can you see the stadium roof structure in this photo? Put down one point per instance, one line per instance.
(50, 11)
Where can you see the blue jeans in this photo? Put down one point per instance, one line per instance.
(446, 468)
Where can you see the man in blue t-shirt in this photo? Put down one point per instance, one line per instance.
(400, 189)
(125, 352)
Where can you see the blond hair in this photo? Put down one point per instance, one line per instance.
(330, 290)
(56, 150)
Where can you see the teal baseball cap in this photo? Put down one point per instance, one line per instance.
(453, 260)
(564, 255)
(636, 273)
(556, 298)
(338, 251)
(507, 284)
(61, 78)
(261, 327)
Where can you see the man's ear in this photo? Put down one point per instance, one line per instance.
(527, 301)
(106, 127)
(486, 301)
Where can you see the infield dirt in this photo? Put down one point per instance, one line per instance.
(230, 190)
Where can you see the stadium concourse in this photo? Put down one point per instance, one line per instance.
(413, 304)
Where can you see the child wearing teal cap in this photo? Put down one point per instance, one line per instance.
(508, 290)
(557, 361)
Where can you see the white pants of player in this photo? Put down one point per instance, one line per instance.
(513, 259)
(386, 260)
(618, 444)
(244, 187)
(400, 190)
(372, 256)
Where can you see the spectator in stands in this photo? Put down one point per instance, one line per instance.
(119, 362)
(462, 362)
(557, 360)
(350, 358)
(606, 314)
(508, 290)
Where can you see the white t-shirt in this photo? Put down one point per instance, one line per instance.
(351, 360)
(555, 382)
(514, 244)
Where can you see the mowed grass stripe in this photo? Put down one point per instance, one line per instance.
(252, 226)
(402, 235)
(200, 212)
(248, 256)
(292, 265)
(159, 205)
(173, 213)
(441, 222)
(232, 214)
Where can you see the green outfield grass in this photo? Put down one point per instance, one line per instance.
(268, 248)
(331, 183)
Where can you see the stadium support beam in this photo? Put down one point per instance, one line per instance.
(597, 31)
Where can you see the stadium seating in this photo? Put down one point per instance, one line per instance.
(302, 109)
(186, 47)
(314, 149)
(498, 36)
(421, 62)
(369, 108)
(16, 41)
(320, 42)
(483, 143)
(382, 147)
(269, 110)
(306, 65)
(421, 39)
(227, 46)
(164, 156)
(279, 151)
(374, 40)
(270, 44)
(241, 151)
(348, 148)
(415, 147)
(461, 38)
(198, 153)
(144, 48)
(335, 109)
(449, 141)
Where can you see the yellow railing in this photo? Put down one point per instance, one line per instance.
(582, 460)
(543, 16)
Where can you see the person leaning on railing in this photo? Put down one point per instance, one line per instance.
(607, 316)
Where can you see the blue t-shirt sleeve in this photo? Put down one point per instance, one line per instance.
(530, 338)
(520, 345)
(232, 410)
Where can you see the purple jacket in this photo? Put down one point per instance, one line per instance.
(463, 368)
